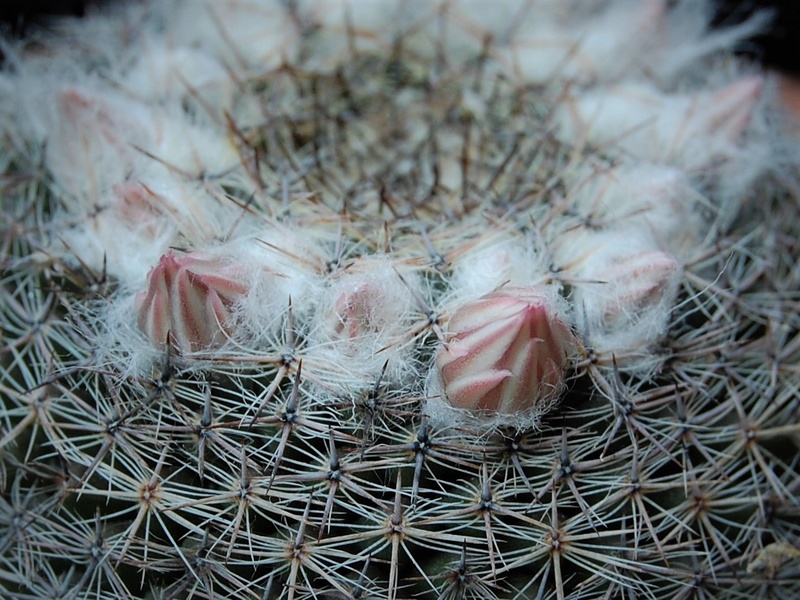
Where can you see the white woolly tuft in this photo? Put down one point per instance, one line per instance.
(360, 25)
(623, 290)
(359, 333)
(120, 342)
(604, 46)
(638, 196)
(136, 221)
(162, 71)
(687, 41)
(282, 268)
(502, 258)
(272, 279)
(97, 138)
(242, 34)
(690, 131)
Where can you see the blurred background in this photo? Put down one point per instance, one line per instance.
(777, 48)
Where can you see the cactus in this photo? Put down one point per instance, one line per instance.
(333, 299)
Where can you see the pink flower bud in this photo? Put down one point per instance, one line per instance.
(731, 108)
(355, 312)
(692, 131)
(625, 289)
(136, 206)
(639, 283)
(188, 302)
(507, 352)
(369, 303)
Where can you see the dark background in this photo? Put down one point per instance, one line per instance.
(778, 48)
(19, 15)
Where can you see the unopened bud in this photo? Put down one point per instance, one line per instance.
(355, 312)
(507, 352)
(625, 292)
(639, 283)
(188, 302)
(692, 131)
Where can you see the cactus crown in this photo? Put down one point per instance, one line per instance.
(334, 299)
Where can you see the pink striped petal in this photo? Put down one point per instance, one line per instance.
(507, 352)
(188, 299)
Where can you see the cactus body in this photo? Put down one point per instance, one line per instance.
(437, 301)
